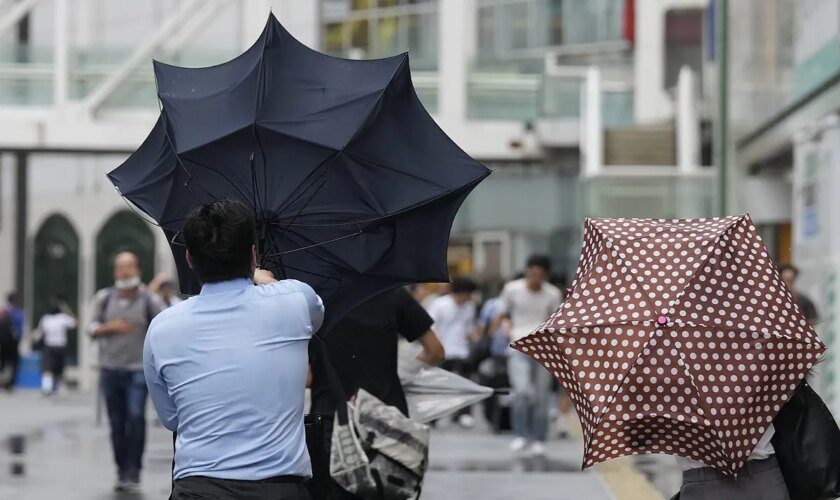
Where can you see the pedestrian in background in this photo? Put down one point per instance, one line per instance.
(52, 335)
(121, 315)
(166, 290)
(456, 324)
(363, 349)
(10, 334)
(227, 368)
(527, 303)
(790, 273)
(8, 351)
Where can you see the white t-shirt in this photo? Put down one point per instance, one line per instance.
(762, 450)
(453, 324)
(528, 309)
(54, 328)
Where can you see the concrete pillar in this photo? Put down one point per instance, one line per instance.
(456, 47)
(61, 48)
(688, 125)
(592, 133)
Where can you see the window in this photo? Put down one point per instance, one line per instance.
(382, 28)
(506, 26)
(683, 43)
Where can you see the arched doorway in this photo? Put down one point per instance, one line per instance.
(56, 272)
(124, 231)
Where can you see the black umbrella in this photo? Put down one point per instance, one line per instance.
(353, 186)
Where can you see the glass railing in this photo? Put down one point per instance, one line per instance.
(26, 78)
(528, 97)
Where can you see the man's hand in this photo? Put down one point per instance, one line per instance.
(119, 326)
(263, 277)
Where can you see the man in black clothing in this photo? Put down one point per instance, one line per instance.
(363, 350)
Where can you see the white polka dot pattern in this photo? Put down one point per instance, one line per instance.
(677, 337)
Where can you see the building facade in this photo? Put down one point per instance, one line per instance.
(785, 95)
(581, 107)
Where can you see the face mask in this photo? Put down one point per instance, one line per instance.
(127, 284)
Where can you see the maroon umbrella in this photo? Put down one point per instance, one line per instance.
(677, 337)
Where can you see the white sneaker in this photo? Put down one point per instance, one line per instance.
(518, 444)
(537, 449)
(467, 421)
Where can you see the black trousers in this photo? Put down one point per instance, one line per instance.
(202, 487)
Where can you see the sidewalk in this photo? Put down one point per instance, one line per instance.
(69, 457)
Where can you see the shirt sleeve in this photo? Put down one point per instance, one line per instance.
(69, 322)
(314, 304)
(412, 320)
(157, 389)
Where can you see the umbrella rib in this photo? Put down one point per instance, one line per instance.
(469, 184)
(694, 276)
(375, 103)
(392, 169)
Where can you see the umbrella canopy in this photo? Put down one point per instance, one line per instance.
(353, 186)
(433, 392)
(678, 337)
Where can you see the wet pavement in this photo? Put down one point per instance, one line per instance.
(67, 456)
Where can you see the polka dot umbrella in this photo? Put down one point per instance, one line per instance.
(677, 337)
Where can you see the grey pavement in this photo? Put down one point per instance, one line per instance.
(68, 457)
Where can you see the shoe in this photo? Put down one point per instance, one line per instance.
(466, 420)
(518, 444)
(537, 449)
(132, 487)
(121, 485)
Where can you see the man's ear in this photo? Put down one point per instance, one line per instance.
(189, 259)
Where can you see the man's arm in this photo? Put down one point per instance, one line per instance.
(157, 389)
(503, 312)
(99, 328)
(432, 353)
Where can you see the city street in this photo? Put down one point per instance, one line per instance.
(67, 456)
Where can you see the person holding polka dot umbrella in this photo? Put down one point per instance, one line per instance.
(680, 337)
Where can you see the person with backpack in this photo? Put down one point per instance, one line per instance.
(121, 315)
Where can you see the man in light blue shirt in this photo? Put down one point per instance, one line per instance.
(227, 369)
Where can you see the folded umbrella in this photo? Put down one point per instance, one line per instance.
(352, 184)
(433, 392)
(678, 337)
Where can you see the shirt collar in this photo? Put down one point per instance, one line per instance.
(225, 286)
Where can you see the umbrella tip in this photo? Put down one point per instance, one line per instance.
(662, 320)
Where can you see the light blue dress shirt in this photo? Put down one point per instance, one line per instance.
(227, 369)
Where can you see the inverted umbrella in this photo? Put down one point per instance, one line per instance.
(433, 392)
(678, 337)
(352, 184)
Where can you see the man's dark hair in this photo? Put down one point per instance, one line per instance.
(539, 261)
(787, 266)
(219, 237)
(12, 298)
(463, 285)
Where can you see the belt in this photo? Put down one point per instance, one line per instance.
(751, 468)
(269, 480)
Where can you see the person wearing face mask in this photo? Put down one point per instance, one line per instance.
(121, 315)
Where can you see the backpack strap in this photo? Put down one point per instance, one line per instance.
(103, 306)
(147, 305)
